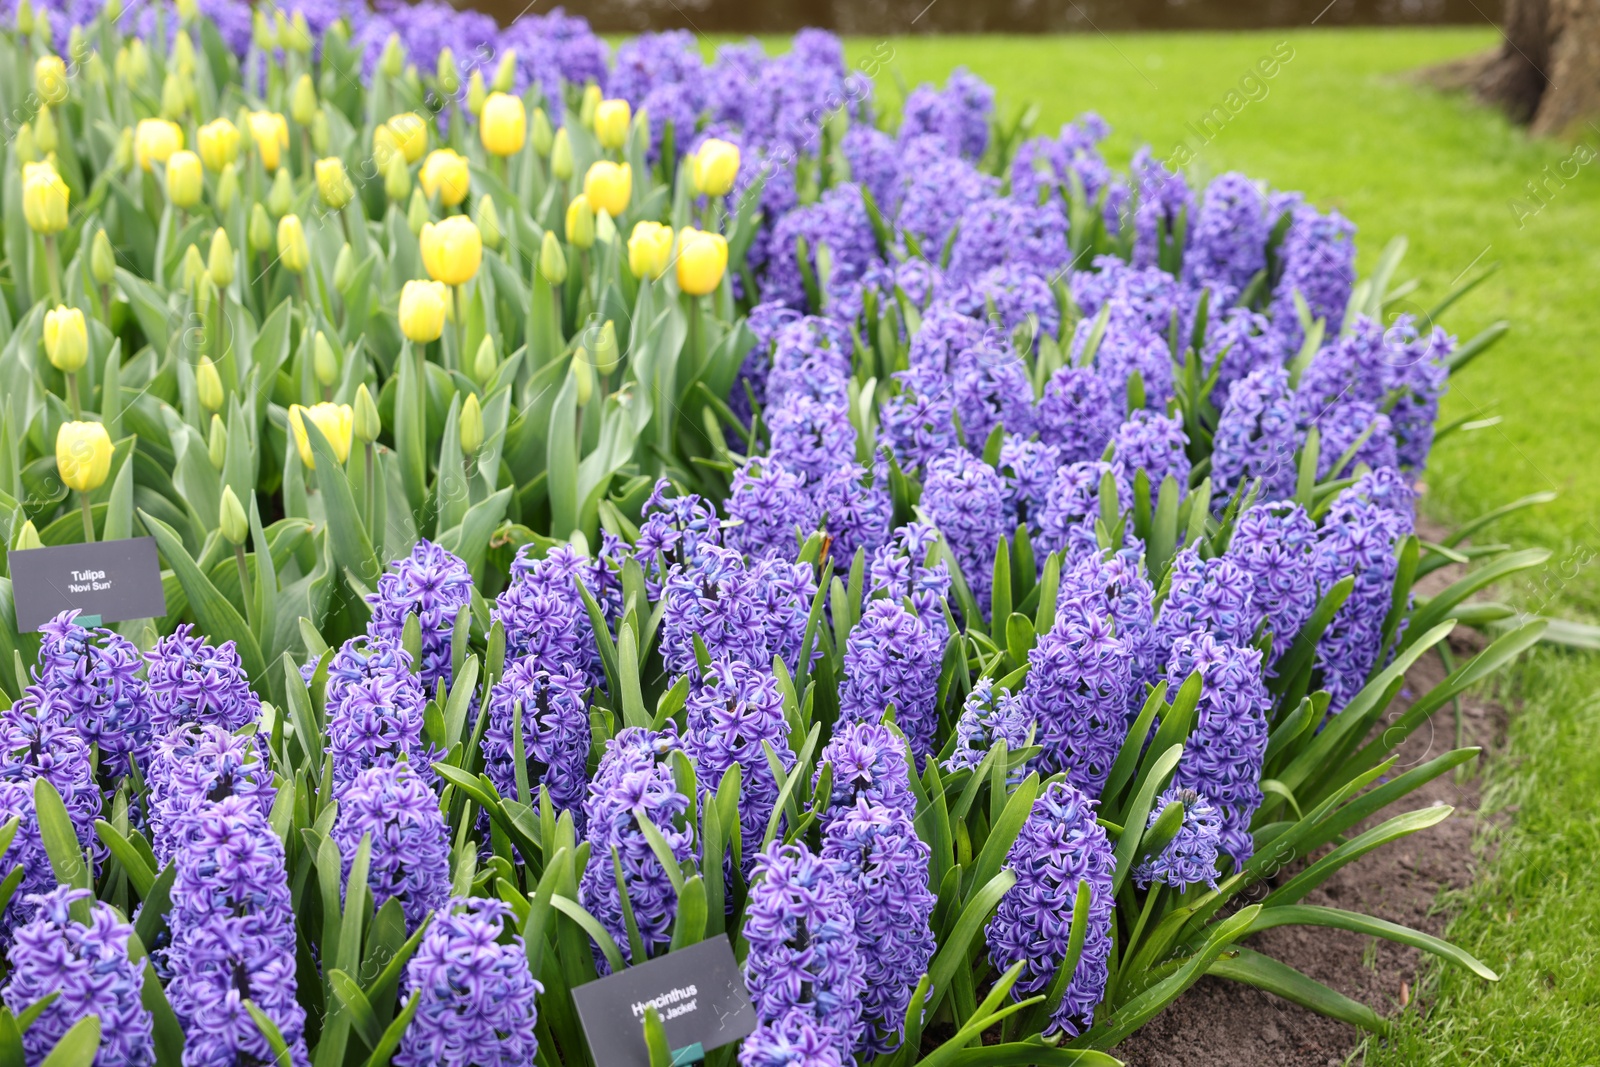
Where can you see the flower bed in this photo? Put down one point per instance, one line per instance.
(960, 574)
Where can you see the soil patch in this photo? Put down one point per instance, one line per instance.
(1224, 1022)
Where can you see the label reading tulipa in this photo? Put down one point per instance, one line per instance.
(698, 992)
(114, 580)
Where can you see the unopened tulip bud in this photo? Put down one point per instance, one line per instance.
(486, 361)
(702, 261)
(83, 455)
(606, 355)
(205, 292)
(446, 74)
(227, 188)
(396, 178)
(584, 374)
(208, 384)
(194, 265)
(28, 537)
(280, 198)
(452, 250)
(589, 105)
(580, 223)
(25, 148)
(263, 33)
(231, 520)
(44, 132)
(174, 97)
(44, 198)
(66, 339)
(299, 39)
(270, 133)
(541, 135)
(423, 305)
(50, 79)
(367, 422)
(102, 258)
(471, 425)
(561, 155)
(217, 443)
(336, 421)
(292, 250)
(259, 232)
(344, 267)
(552, 261)
(185, 179)
(649, 249)
(324, 361)
(476, 93)
(505, 75)
(417, 213)
(714, 167)
(333, 183)
(445, 174)
(608, 186)
(154, 141)
(182, 59)
(24, 16)
(218, 143)
(488, 219)
(393, 59)
(611, 118)
(503, 126)
(219, 262)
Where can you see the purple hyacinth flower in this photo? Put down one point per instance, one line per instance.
(1241, 341)
(1206, 596)
(192, 681)
(838, 221)
(1028, 469)
(1318, 256)
(410, 847)
(543, 611)
(1116, 583)
(1256, 438)
(476, 999)
(38, 741)
(673, 532)
(1227, 244)
(908, 567)
(1165, 206)
(938, 189)
(1078, 414)
(1417, 375)
(916, 423)
(769, 509)
(88, 968)
(1222, 758)
(1275, 545)
(869, 763)
(1127, 346)
(792, 1040)
(812, 437)
(635, 781)
(1073, 508)
(95, 674)
(434, 585)
(811, 356)
(991, 389)
(965, 498)
(374, 706)
(1060, 845)
(1017, 293)
(1358, 538)
(555, 733)
(804, 953)
(233, 938)
(855, 510)
(196, 766)
(732, 709)
(1155, 444)
(1190, 857)
(1000, 230)
(1356, 429)
(892, 657)
(989, 715)
(26, 851)
(874, 165)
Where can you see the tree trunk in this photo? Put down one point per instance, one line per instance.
(1547, 72)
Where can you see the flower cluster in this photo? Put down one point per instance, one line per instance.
(193, 681)
(1079, 686)
(989, 715)
(95, 675)
(1191, 856)
(375, 706)
(395, 811)
(433, 585)
(734, 714)
(554, 732)
(197, 766)
(893, 660)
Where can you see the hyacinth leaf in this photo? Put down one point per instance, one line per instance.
(1138, 812)
(354, 1005)
(168, 1031)
(1034, 1022)
(602, 641)
(219, 619)
(933, 818)
(8, 885)
(658, 845)
(1003, 834)
(1441, 606)
(655, 1039)
(1029, 1054)
(982, 1017)
(1297, 661)
(1336, 918)
(78, 1047)
(1133, 745)
(1392, 829)
(141, 875)
(633, 710)
(281, 1056)
(1287, 734)
(1049, 584)
(61, 843)
(689, 923)
(534, 926)
(301, 713)
(462, 689)
(952, 952)
(1265, 973)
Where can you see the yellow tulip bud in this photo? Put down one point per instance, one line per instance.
(194, 265)
(476, 93)
(714, 167)
(259, 232)
(262, 31)
(231, 519)
(25, 148)
(488, 219)
(336, 421)
(219, 263)
(280, 198)
(102, 259)
(205, 290)
(174, 96)
(396, 178)
(584, 375)
(137, 66)
(385, 146)
(28, 537)
(299, 37)
(606, 353)
(44, 132)
(561, 155)
(154, 141)
(417, 213)
(333, 183)
(44, 198)
(608, 186)
(410, 132)
(445, 72)
(182, 59)
(320, 132)
(185, 179)
(367, 422)
(702, 260)
(649, 249)
(303, 100)
(552, 261)
(218, 142)
(422, 306)
(452, 250)
(486, 361)
(24, 16)
(208, 384)
(83, 455)
(445, 175)
(324, 360)
(344, 267)
(589, 105)
(66, 339)
(505, 75)
(611, 118)
(227, 188)
(541, 134)
(271, 135)
(393, 59)
(471, 425)
(50, 79)
(503, 125)
(580, 223)
(292, 250)
(217, 443)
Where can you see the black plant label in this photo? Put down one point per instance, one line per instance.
(111, 580)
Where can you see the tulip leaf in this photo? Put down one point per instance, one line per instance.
(218, 619)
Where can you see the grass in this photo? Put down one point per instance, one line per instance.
(1343, 120)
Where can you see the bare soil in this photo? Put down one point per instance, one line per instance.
(1222, 1022)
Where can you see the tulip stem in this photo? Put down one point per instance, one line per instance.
(72, 394)
(461, 329)
(371, 494)
(52, 258)
(244, 581)
(88, 519)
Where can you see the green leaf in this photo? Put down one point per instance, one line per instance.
(356, 1007)
(218, 619)
(1252, 968)
(1003, 834)
(168, 1030)
(347, 534)
(655, 1039)
(689, 925)
(1390, 830)
(60, 841)
(1139, 812)
(591, 926)
(274, 1036)
(1338, 919)
(952, 952)
(140, 874)
(78, 1046)
(391, 1037)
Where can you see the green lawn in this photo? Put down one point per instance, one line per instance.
(1343, 121)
